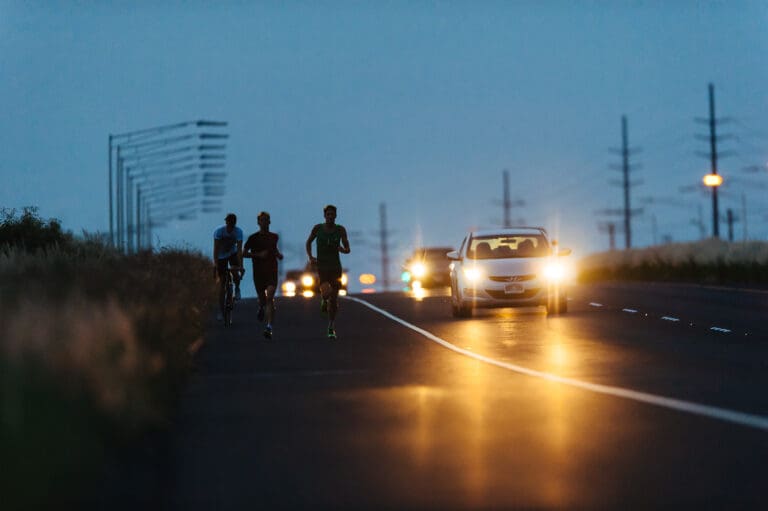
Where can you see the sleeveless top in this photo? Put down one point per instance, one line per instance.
(328, 244)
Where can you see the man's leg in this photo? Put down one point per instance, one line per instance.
(221, 269)
(261, 295)
(236, 275)
(270, 303)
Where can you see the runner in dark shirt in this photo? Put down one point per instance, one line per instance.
(261, 248)
(331, 241)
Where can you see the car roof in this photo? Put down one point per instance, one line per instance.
(510, 231)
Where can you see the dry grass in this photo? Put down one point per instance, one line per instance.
(709, 261)
(94, 347)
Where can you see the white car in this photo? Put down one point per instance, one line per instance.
(515, 267)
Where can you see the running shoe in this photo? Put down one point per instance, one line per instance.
(331, 333)
(260, 314)
(237, 293)
(324, 306)
(268, 332)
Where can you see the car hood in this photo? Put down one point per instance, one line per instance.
(512, 266)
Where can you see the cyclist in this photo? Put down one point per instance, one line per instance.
(261, 248)
(331, 240)
(228, 252)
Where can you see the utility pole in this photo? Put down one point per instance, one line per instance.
(610, 228)
(507, 203)
(713, 180)
(729, 216)
(713, 160)
(384, 245)
(626, 183)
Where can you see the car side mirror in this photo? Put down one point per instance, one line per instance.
(453, 255)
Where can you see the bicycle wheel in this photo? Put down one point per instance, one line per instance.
(228, 305)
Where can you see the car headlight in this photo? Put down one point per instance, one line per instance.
(289, 287)
(344, 279)
(418, 270)
(554, 272)
(307, 280)
(472, 274)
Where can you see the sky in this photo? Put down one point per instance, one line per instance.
(420, 106)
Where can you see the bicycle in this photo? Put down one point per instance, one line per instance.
(229, 295)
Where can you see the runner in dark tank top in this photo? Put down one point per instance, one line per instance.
(331, 241)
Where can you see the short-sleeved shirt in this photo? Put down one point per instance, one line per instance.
(227, 241)
(259, 241)
(328, 243)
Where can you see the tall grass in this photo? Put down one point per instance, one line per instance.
(94, 346)
(710, 261)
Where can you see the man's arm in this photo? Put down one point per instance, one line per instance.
(308, 245)
(344, 248)
(215, 251)
(278, 254)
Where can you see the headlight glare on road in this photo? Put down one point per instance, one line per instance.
(472, 274)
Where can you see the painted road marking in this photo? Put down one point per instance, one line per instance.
(594, 304)
(631, 311)
(718, 329)
(713, 412)
(669, 318)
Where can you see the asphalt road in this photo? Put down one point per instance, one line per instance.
(640, 397)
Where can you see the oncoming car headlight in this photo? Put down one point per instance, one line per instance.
(344, 279)
(418, 270)
(307, 280)
(472, 274)
(289, 287)
(555, 272)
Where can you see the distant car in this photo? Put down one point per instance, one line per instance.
(429, 267)
(514, 267)
(304, 282)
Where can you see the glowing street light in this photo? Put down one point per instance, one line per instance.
(713, 180)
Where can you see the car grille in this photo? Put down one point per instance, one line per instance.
(513, 278)
(501, 295)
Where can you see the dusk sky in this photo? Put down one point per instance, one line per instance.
(419, 105)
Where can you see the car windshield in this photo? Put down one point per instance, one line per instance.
(505, 247)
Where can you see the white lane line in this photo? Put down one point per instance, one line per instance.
(718, 329)
(631, 311)
(669, 318)
(594, 304)
(713, 412)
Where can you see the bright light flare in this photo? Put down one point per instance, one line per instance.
(416, 284)
(344, 279)
(418, 270)
(307, 280)
(342, 292)
(554, 272)
(713, 180)
(289, 287)
(308, 294)
(558, 271)
(472, 274)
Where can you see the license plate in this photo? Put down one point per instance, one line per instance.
(513, 289)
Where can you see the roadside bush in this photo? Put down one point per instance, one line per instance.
(94, 347)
